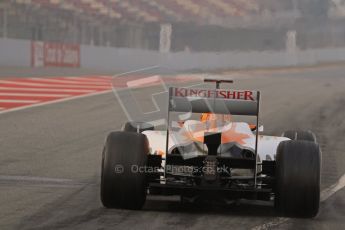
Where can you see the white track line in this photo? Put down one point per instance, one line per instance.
(71, 82)
(95, 77)
(30, 178)
(85, 79)
(34, 95)
(17, 101)
(105, 77)
(325, 194)
(144, 81)
(137, 70)
(40, 181)
(269, 225)
(53, 102)
(328, 192)
(49, 85)
(49, 90)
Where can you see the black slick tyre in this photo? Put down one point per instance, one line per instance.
(122, 184)
(298, 166)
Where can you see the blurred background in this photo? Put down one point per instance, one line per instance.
(174, 26)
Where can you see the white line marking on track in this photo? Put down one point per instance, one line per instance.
(325, 194)
(49, 90)
(32, 178)
(103, 78)
(137, 70)
(40, 181)
(328, 192)
(143, 81)
(71, 82)
(51, 85)
(54, 101)
(17, 101)
(34, 95)
(275, 222)
(88, 79)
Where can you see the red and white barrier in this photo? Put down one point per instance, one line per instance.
(50, 54)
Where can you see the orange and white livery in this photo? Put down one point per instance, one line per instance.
(217, 106)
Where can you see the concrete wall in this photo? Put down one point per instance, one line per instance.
(118, 59)
(129, 59)
(17, 53)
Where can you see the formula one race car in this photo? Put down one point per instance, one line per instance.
(212, 156)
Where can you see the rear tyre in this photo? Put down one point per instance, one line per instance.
(300, 135)
(298, 166)
(122, 186)
(135, 126)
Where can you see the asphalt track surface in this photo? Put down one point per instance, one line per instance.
(50, 159)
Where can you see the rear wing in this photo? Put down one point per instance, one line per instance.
(218, 101)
